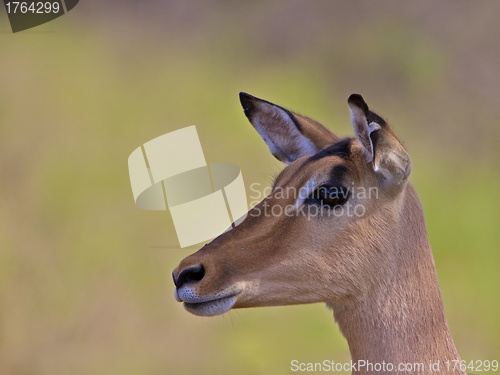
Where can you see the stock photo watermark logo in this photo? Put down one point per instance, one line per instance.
(311, 201)
(171, 172)
(24, 15)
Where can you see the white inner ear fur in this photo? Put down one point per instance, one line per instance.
(361, 129)
(305, 145)
(372, 126)
(287, 141)
(263, 134)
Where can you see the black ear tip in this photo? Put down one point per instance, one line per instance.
(353, 98)
(244, 96)
(247, 103)
(358, 101)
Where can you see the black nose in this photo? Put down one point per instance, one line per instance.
(194, 273)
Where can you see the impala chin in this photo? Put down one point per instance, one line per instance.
(210, 305)
(211, 308)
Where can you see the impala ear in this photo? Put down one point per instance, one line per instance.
(288, 135)
(380, 145)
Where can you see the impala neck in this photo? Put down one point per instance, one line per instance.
(402, 320)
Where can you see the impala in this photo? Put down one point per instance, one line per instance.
(373, 267)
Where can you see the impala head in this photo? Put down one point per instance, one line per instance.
(322, 234)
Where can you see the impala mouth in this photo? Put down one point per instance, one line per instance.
(207, 305)
(210, 308)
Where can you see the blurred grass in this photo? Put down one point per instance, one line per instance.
(85, 282)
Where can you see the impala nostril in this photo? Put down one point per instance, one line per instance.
(194, 273)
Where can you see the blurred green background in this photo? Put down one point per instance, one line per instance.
(85, 285)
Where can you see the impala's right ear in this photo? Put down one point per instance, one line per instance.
(288, 135)
(382, 148)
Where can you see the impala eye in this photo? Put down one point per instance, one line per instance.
(331, 196)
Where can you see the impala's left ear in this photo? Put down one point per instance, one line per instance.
(288, 135)
(380, 145)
